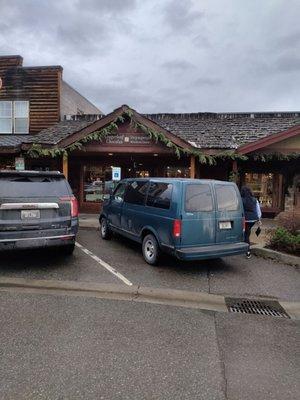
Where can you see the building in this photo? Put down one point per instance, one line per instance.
(34, 98)
(66, 132)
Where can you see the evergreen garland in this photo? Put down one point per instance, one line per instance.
(37, 150)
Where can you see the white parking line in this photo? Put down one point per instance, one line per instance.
(104, 264)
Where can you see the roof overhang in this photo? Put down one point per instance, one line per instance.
(269, 140)
(109, 118)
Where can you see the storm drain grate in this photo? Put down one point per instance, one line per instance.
(258, 307)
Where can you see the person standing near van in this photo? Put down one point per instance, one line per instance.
(252, 211)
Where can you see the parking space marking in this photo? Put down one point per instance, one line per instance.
(104, 264)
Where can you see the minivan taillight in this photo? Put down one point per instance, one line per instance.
(73, 203)
(244, 224)
(177, 228)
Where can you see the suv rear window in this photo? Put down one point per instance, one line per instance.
(33, 186)
(227, 198)
(136, 192)
(198, 198)
(159, 195)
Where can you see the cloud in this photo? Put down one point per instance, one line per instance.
(164, 55)
(288, 63)
(180, 15)
(178, 65)
(207, 82)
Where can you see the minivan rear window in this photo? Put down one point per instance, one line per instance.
(159, 195)
(136, 192)
(227, 198)
(198, 198)
(33, 186)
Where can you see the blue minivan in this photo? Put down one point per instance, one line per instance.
(192, 219)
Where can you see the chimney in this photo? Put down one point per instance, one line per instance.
(11, 61)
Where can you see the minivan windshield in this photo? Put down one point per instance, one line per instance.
(33, 186)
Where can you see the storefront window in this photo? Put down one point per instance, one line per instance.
(262, 186)
(97, 182)
(7, 163)
(176, 172)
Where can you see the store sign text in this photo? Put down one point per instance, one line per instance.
(132, 139)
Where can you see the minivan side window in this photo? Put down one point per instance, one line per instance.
(136, 192)
(159, 195)
(119, 191)
(227, 198)
(198, 197)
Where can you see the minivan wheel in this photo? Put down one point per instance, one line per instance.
(104, 229)
(150, 249)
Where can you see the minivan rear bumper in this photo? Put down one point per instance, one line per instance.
(212, 251)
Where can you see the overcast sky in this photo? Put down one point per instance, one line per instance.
(164, 55)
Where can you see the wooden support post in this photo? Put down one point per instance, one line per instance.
(234, 166)
(193, 167)
(65, 166)
(235, 172)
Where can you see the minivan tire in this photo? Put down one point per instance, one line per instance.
(104, 229)
(68, 249)
(150, 249)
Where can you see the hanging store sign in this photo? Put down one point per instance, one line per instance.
(19, 163)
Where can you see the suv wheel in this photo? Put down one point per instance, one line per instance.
(104, 229)
(150, 249)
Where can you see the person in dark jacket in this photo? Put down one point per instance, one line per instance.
(250, 208)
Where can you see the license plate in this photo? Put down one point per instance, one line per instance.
(30, 214)
(225, 225)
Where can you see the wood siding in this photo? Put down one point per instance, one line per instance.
(38, 85)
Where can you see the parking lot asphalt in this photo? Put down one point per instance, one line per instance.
(60, 347)
(234, 276)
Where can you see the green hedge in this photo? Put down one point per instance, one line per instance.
(285, 241)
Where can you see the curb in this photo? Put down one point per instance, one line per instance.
(275, 255)
(83, 224)
(134, 293)
(183, 298)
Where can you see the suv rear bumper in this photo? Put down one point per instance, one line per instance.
(36, 242)
(31, 239)
(212, 251)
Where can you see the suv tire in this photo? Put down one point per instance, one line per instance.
(104, 229)
(68, 249)
(150, 249)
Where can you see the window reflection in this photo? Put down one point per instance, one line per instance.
(97, 182)
(262, 186)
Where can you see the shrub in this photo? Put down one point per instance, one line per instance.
(289, 220)
(283, 240)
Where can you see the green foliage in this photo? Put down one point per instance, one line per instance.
(231, 155)
(234, 176)
(268, 157)
(285, 241)
(37, 150)
(289, 220)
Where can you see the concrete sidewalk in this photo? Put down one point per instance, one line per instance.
(267, 226)
(89, 221)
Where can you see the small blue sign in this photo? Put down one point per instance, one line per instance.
(116, 173)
